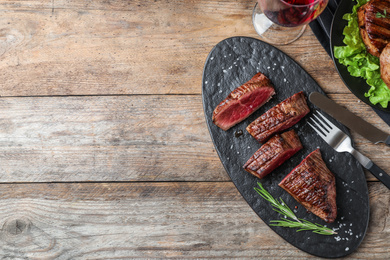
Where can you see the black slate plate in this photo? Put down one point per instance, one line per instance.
(357, 86)
(231, 63)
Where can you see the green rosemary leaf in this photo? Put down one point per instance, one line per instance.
(290, 220)
(380, 15)
(279, 207)
(288, 212)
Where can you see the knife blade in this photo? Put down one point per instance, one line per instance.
(349, 119)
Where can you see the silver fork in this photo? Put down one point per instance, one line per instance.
(341, 142)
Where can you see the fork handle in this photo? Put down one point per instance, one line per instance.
(379, 174)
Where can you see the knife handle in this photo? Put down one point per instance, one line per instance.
(379, 174)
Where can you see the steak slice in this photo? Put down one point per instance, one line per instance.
(374, 25)
(385, 65)
(243, 101)
(313, 185)
(273, 153)
(280, 117)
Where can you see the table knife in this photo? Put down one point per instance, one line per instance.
(349, 119)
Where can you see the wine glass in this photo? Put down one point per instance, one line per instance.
(281, 22)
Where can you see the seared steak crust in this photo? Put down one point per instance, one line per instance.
(280, 117)
(243, 101)
(313, 185)
(374, 25)
(273, 153)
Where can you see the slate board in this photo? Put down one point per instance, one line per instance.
(231, 63)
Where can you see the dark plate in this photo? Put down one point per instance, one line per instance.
(357, 86)
(231, 63)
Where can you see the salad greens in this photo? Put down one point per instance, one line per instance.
(359, 62)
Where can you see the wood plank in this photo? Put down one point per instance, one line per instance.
(117, 138)
(127, 47)
(150, 138)
(152, 220)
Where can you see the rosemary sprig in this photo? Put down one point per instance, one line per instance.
(293, 221)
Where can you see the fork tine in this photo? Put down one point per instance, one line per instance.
(330, 124)
(321, 134)
(320, 124)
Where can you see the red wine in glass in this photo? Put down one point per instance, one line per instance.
(292, 13)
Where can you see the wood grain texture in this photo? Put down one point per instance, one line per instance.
(126, 47)
(150, 138)
(152, 220)
(109, 91)
(119, 138)
(116, 138)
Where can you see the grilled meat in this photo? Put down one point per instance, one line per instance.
(385, 65)
(273, 153)
(313, 185)
(374, 25)
(243, 101)
(280, 117)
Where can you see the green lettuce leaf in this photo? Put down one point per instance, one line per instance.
(359, 62)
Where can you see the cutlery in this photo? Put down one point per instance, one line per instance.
(349, 119)
(341, 142)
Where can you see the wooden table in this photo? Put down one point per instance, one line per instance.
(104, 151)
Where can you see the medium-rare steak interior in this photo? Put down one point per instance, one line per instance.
(313, 185)
(243, 101)
(280, 117)
(273, 153)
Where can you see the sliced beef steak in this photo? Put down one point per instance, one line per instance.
(374, 25)
(385, 65)
(273, 153)
(280, 117)
(243, 101)
(313, 185)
